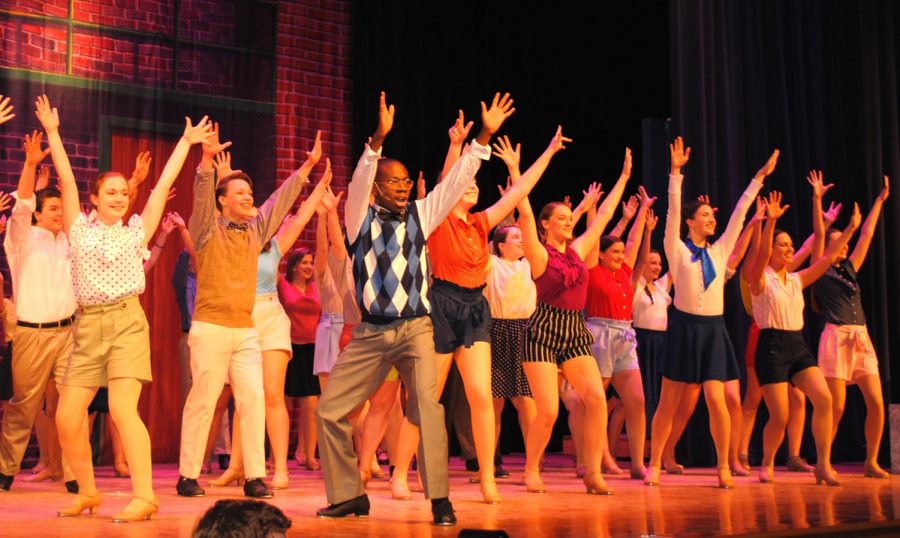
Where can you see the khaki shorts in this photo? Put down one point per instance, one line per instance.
(111, 341)
(846, 352)
(271, 323)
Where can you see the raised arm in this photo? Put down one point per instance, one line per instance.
(168, 224)
(335, 237)
(6, 110)
(679, 155)
(526, 182)
(637, 231)
(138, 175)
(588, 240)
(818, 267)
(736, 221)
(433, 209)
(756, 272)
(279, 203)
(650, 221)
(49, 118)
(321, 257)
(806, 250)
(360, 188)
(458, 133)
(203, 213)
(288, 233)
(868, 228)
(184, 234)
(156, 202)
(33, 157)
(629, 210)
(740, 248)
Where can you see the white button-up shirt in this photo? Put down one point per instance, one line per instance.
(40, 267)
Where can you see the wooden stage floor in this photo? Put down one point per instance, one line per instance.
(687, 505)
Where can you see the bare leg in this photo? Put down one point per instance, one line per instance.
(813, 383)
(684, 410)
(277, 423)
(526, 410)
(669, 399)
(542, 378)
(120, 460)
(838, 388)
(776, 397)
(583, 373)
(631, 389)
(736, 416)
(124, 394)
(870, 385)
(474, 365)
(308, 423)
(72, 426)
(373, 427)
(572, 401)
(719, 426)
(796, 420)
(749, 409)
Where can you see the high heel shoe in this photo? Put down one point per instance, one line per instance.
(612, 469)
(279, 480)
(828, 476)
(229, 476)
(595, 485)
(766, 474)
(744, 460)
(652, 476)
(533, 483)
(489, 493)
(673, 467)
(638, 472)
(796, 464)
(146, 512)
(312, 464)
(80, 504)
(739, 470)
(874, 471)
(43, 475)
(581, 471)
(400, 489)
(121, 470)
(726, 481)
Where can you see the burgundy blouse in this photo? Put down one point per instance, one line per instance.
(564, 284)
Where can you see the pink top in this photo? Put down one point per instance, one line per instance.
(610, 294)
(303, 309)
(564, 283)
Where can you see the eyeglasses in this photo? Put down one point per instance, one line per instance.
(395, 182)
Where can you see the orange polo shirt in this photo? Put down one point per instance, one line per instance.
(458, 250)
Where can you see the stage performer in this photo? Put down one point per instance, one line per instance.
(460, 313)
(846, 354)
(223, 341)
(387, 245)
(556, 336)
(782, 355)
(112, 340)
(699, 349)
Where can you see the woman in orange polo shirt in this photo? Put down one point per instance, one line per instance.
(462, 319)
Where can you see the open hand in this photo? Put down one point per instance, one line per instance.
(652, 220)
(200, 133)
(214, 145)
(47, 115)
(510, 155)
(223, 165)
(774, 209)
(501, 108)
(760, 213)
(385, 117)
(678, 154)
(832, 214)
(315, 154)
(32, 146)
(141, 166)
(814, 178)
(629, 208)
(6, 110)
(769, 167)
(6, 201)
(43, 178)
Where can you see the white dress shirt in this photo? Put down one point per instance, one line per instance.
(40, 267)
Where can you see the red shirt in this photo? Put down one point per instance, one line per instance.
(458, 250)
(610, 293)
(303, 310)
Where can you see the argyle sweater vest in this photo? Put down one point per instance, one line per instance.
(389, 266)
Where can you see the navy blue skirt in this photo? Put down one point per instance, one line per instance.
(698, 349)
(651, 352)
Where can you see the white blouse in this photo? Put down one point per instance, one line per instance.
(690, 296)
(509, 289)
(780, 305)
(107, 261)
(651, 311)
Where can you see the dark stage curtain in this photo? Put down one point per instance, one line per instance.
(817, 79)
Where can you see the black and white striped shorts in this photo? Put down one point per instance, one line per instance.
(556, 335)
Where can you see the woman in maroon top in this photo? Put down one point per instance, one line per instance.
(555, 336)
(300, 297)
(611, 284)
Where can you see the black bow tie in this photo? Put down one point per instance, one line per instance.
(387, 215)
(237, 227)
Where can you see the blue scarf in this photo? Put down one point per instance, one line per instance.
(706, 264)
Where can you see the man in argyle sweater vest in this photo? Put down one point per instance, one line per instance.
(387, 243)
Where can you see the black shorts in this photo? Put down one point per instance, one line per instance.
(299, 380)
(780, 355)
(461, 316)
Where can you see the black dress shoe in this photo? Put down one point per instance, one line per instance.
(357, 506)
(224, 460)
(500, 472)
(257, 489)
(72, 486)
(472, 465)
(442, 511)
(188, 487)
(5, 481)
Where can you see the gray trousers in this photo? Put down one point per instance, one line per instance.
(360, 369)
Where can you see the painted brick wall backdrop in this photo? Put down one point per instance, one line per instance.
(270, 72)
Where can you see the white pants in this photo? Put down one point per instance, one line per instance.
(218, 353)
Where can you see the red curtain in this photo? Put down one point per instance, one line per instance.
(160, 404)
